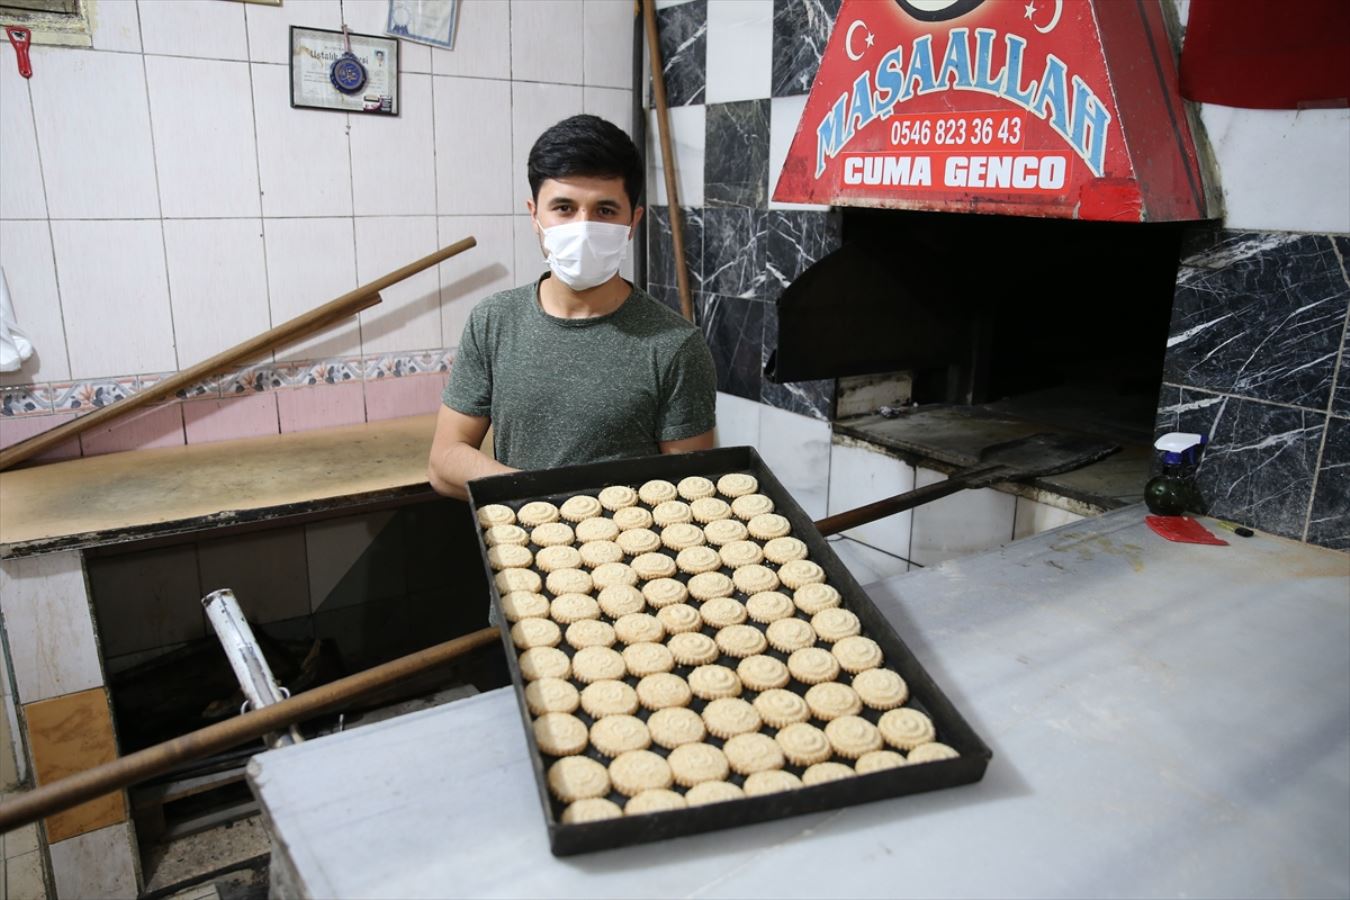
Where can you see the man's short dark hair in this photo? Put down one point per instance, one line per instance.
(589, 146)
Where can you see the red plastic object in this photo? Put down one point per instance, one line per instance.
(20, 38)
(1183, 530)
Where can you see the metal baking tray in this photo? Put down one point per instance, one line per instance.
(555, 486)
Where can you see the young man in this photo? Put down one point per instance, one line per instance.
(578, 366)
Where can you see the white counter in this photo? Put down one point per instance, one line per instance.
(1166, 720)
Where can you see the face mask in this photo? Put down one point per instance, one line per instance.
(585, 254)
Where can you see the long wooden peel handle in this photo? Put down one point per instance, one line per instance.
(303, 325)
(127, 770)
(667, 156)
(891, 505)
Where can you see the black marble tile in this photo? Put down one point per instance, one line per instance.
(797, 239)
(1329, 524)
(736, 158)
(1261, 315)
(800, 30)
(734, 329)
(684, 51)
(734, 251)
(667, 294)
(808, 398)
(1340, 394)
(661, 246)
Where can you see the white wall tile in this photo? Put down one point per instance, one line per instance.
(530, 263)
(473, 146)
(740, 50)
(30, 271)
(482, 42)
(372, 17)
(546, 41)
(737, 421)
(409, 318)
(393, 171)
(687, 136)
(797, 450)
(303, 156)
(309, 262)
(20, 174)
(217, 282)
(117, 181)
(474, 274)
(867, 564)
(115, 297)
(95, 864)
(269, 27)
(613, 105)
(202, 114)
(46, 605)
(117, 26)
(147, 599)
(859, 477)
(1031, 518)
(266, 570)
(194, 28)
(534, 108)
(962, 523)
(784, 115)
(607, 58)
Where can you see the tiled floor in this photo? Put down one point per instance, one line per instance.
(21, 866)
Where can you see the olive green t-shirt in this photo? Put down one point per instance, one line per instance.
(567, 391)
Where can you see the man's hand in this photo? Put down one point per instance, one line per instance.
(455, 457)
(702, 441)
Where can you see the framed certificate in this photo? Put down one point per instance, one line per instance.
(348, 72)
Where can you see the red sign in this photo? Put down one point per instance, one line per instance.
(997, 106)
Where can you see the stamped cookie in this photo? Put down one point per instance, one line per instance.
(552, 559)
(737, 484)
(636, 541)
(671, 512)
(511, 580)
(679, 618)
(740, 641)
(832, 700)
(618, 734)
(811, 665)
(538, 512)
(710, 585)
(657, 491)
(725, 531)
(800, 572)
(529, 633)
(905, 728)
(551, 695)
(770, 781)
(552, 534)
(544, 662)
(835, 624)
(681, 535)
(695, 487)
(712, 792)
(560, 734)
(751, 505)
(761, 673)
(784, 549)
(597, 553)
(779, 708)
(697, 560)
(569, 581)
(631, 517)
(692, 648)
(789, 635)
(597, 529)
(619, 600)
(661, 592)
(881, 689)
(636, 771)
(768, 525)
(740, 553)
(852, 736)
(857, 654)
(803, 744)
(931, 752)
(509, 556)
(574, 509)
(609, 698)
(653, 801)
(662, 690)
(577, 778)
(589, 633)
(648, 566)
(730, 716)
(597, 664)
(495, 514)
(750, 753)
(617, 497)
(692, 764)
(506, 534)
(714, 682)
(824, 772)
(769, 606)
(709, 509)
(519, 605)
(675, 726)
(754, 579)
(813, 598)
(647, 659)
(877, 760)
(639, 628)
(720, 612)
(569, 608)
(594, 809)
(613, 573)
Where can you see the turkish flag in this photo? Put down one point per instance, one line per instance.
(1258, 54)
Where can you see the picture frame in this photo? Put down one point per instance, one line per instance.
(314, 83)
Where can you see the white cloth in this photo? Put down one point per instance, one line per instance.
(14, 345)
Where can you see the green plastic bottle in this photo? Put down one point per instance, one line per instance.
(1175, 492)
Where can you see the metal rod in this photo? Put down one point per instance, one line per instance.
(899, 503)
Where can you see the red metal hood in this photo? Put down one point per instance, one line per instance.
(1063, 108)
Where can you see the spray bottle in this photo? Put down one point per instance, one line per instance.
(1174, 491)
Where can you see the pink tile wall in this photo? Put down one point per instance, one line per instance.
(412, 395)
(157, 426)
(224, 419)
(15, 429)
(322, 406)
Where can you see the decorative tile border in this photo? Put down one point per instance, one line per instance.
(26, 400)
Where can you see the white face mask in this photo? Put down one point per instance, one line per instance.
(585, 254)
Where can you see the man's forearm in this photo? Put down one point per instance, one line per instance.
(457, 466)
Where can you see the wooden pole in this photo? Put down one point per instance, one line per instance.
(303, 325)
(667, 157)
(143, 764)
